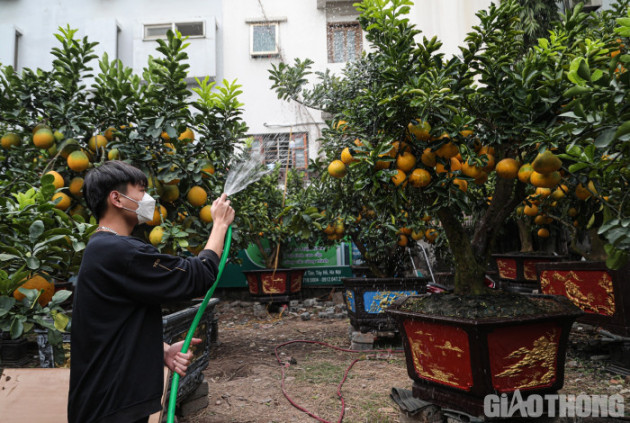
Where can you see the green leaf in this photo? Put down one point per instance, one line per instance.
(35, 230)
(623, 129)
(584, 71)
(60, 296)
(61, 321)
(576, 90)
(32, 263)
(17, 328)
(605, 138)
(577, 167)
(6, 303)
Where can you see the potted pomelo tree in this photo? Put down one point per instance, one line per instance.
(599, 156)
(38, 242)
(274, 229)
(185, 154)
(476, 135)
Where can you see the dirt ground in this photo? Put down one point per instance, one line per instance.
(245, 379)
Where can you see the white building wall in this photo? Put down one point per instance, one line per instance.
(302, 34)
(449, 20)
(39, 20)
(225, 52)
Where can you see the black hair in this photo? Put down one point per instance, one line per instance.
(113, 175)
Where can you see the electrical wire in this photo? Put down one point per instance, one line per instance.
(286, 365)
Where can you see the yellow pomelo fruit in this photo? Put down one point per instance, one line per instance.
(197, 196)
(40, 126)
(507, 168)
(78, 161)
(205, 215)
(466, 133)
(428, 158)
(156, 234)
(490, 163)
(68, 147)
(208, 168)
(39, 283)
(420, 178)
(170, 193)
(187, 136)
(583, 192)
(44, 139)
(75, 186)
(447, 150)
(159, 214)
(337, 169)
(113, 154)
(109, 133)
(455, 164)
(461, 183)
(472, 171)
(339, 227)
(531, 210)
(342, 124)
(524, 173)
(169, 148)
(545, 180)
(381, 164)
(346, 156)
(420, 129)
(96, 142)
(399, 177)
(10, 140)
(546, 162)
(406, 161)
(543, 233)
(65, 200)
(560, 192)
(402, 240)
(431, 234)
(58, 182)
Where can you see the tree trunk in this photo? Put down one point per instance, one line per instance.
(469, 272)
(525, 235)
(597, 253)
(373, 267)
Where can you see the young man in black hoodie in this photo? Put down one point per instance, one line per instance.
(117, 353)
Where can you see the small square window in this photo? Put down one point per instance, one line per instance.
(345, 42)
(153, 32)
(264, 39)
(187, 29)
(191, 29)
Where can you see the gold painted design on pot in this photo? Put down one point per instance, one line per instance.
(542, 354)
(268, 287)
(432, 372)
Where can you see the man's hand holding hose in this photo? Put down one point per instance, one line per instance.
(222, 217)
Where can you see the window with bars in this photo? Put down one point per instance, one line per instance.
(187, 29)
(264, 39)
(276, 149)
(345, 42)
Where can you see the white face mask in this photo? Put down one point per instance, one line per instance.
(146, 208)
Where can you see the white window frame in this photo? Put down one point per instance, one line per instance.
(172, 26)
(275, 52)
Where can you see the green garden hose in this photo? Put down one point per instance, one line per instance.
(195, 323)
